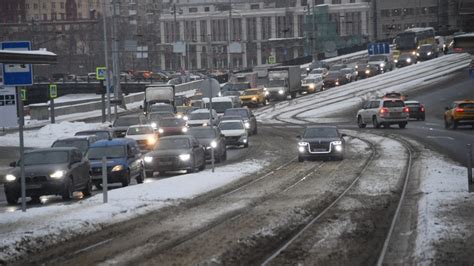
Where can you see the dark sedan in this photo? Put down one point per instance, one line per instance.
(211, 138)
(175, 153)
(321, 142)
(52, 171)
(122, 124)
(417, 110)
(368, 70)
(168, 126)
(334, 78)
(100, 133)
(406, 59)
(426, 52)
(82, 143)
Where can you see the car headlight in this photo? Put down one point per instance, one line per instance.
(338, 148)
(185, 118)
(204, 124)
(213, 144)
(219, 94)
(302, 143)
(117, 168)
(160, 130)
(254, 98)
(413, 53)
(184, 129)
(154, 125)
(301, 148)
(382, 65)
(10, 178)
(179, 116)
(266, 93)
(308, 69)
(337, 83)
(356, 67)
(151, 141)
(367, 71)
(429, 53)
(408, 60)
(311, 86)
(336, 142)
(184, 157)
(245, 140)
(418, 54)
(396, 60)
(148, 159)
(247, 125)
(57, 175)
(281, 92)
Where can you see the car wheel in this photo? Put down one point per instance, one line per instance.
(293, 95)
(203, 165)
(141, 177)
(300, 159)
(402, 124)
(455, 124)
(423, 118)
(217, 159)
(224, 156)
(265, 102)
(126, 180)
(12, 199)
(87, 191)
(375, 122)
(67, 190)
(360, 123)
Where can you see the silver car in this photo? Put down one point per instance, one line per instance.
(384, 112)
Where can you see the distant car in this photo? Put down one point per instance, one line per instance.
(317, 64)
(100, 133)
(250, 122)
(253, 97)
(384, 112)
(350, 73)
(183, 111)
(319, 71)
(210, 138)
(426, 52)
(459, 113)
(406, 59)
(155, 118)
(383, 61)
(171, 126)
(144, 135)
(417, 110)
(395, 95)
(51, 171)
(122, 123)
(234, 132)
(360, 64)
(82, 143)
(200, 117)
(335, 78)
(175, 153)
(124, 161)
(321, 141)
(312, 83)
(337, 67)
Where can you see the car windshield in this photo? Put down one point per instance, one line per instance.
(172, 122)
(46, 157)
(126, 121)
(337, 67)
(81, 144)
(99, 134)
(201, 133)
(231, 125)
(393, 103)
(321, 132)
(317, 71)
(198, 116)
(235, 112)
(405, 41)
(251, 92)
(110, 152)
(305, 81)
(425, 48)
(467, 105)
(376, 58)
(332, 75)
(158, 116)
(172, 144)
(235, 87)
(276, 83)
(346, 71)
(220, 107)
(161, 108)
(140, 130)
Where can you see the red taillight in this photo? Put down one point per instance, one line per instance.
(422, 108)
(458, 50)
(459, 110)
(406, 110)
(384, 110)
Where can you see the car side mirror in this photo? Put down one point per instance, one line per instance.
(12, 164)
(343, 135)
(141, 107)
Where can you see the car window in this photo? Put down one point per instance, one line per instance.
(466, 105)
(173, 143)
(46, 157)
(374, 104)
(110, 152)
(126, 121)
(205, 132)
(393, 103)
(231, 125)
(320, 132)
(81, 144)
(140, 130)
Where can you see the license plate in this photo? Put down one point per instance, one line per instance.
(33, 186)
(165, 163)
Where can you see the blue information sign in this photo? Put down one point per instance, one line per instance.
(378, 48)
(17, 74)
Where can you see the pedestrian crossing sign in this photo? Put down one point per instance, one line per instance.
(100, 73)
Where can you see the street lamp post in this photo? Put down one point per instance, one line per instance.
(176, 33)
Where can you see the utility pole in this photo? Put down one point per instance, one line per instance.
(106, 49)
(176, 34)
(115, 55)
(229, 33)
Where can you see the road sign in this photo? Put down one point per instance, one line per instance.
(8, 107)
(100, 73)
(53, 91)
(378, 48)
(17, 74)
(23, 94)
(271, 59)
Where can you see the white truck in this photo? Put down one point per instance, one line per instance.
(283, 81)
(158, 94)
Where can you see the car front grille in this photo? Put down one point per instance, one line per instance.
(35, 179)
(319, 146)
(236, 138)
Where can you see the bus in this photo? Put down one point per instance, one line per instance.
(410, 39)
(463, 43)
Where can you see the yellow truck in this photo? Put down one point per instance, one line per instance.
(253, 97)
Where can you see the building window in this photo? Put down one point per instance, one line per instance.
(432, 10)
(255, 6)
(318, 2)
(304, 2)
(193, 10)
(62, 16)
(62, 5)
(385, 13)
(45, 17)
(79, 15)
(251, 29)
(408, 11)
(35, 6)
(53, 16)
(206, 9)
(336, 2)
(27, 6)
(53, 5)
(44, 5)
(396, 12)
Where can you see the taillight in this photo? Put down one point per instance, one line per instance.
(422, 108)
(383, 110)
(406, 110)
(458, 49)
(459, 110)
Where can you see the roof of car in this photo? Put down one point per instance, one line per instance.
(321, 126)
(231, 117)
(464, 101)
(135, 126)
(112, 142)
(411, 102)
(237, 119)
(94, 130)
(76, 138)
(52, 149)
(177, 137)
(202, 110)
(131, 115)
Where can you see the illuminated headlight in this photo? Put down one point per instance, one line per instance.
(151, 141)
(311, 86)
(281, 92)
(10, 178)
(418, 54)
(245, 140)
(408, 60)
(179, 116)
(413, 53)
(160, 130)
(429, 53)
(117, 168)
(254, 98)
(219, 94)
(396, 61)
(184, 157)
(307, 69)
(266, 93)
(301, 148)
(154, 125)
(148, 159)
(213, 144)
(337, 83)
(57, 175)
(367, 71)
(356, 66)
(204, 124)
(302, 143)
(247, 125)
(185, 129)
(338, 148)
(185, 118)
(336, 142)
(382, 65)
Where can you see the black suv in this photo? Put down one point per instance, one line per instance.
(321, 142)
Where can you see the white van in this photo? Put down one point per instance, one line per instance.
(220, 104)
